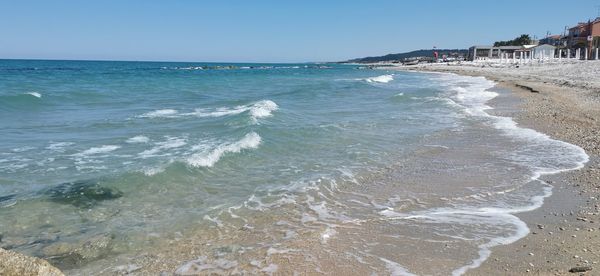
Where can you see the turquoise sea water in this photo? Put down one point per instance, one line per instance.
(132, 151)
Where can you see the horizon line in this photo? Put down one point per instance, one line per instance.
(166, 61)
(262, 62)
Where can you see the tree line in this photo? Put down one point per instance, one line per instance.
(524, 39)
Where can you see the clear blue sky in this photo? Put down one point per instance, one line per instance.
(268, 30)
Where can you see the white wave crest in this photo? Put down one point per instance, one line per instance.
(263, 109)
(381, 79)
(256, 110)
(59, 146)
(100, 149)
(35, 94)
(219, 112)
(203, 159)
(138, 139)
(161, 113)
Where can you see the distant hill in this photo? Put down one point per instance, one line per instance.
(413, 54)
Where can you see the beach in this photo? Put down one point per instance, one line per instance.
(399, 138)
(561, 100)
(307, 169)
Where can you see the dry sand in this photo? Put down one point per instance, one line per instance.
(563, 101)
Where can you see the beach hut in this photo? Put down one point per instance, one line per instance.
(491, 52)
(543, 51)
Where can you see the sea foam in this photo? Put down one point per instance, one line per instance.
(256, 110)
(138, 139)
(99, 150)
(543, 155)
(169, 143)
(395, 269)
(381, 79)
(250, 141)
(35, 94)
(161, 113)
(59, 146)
(263, 109)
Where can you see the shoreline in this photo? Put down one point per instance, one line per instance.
(564, 231)
(559, 229)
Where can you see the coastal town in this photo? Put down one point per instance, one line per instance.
(580, 41)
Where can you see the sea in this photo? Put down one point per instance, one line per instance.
(110, 167)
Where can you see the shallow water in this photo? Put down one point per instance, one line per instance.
(264, 168)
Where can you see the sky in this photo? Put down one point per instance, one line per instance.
(269, 30)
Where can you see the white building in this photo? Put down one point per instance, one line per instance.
(544, 51)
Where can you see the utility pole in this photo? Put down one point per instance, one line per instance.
(567, 37)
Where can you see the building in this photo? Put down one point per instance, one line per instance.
(595, 34)
(585, 35)
(578, 35)
(543, 51)
(491, 52)
(554, 40)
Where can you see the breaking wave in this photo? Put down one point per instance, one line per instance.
(380, 79)
(208, 159)
(138, 139)
(161, 113)
(35, 94)
(99, 150)
(257, 110)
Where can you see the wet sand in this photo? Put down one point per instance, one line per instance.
(564, 103)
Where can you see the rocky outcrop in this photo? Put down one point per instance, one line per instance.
(13, 263)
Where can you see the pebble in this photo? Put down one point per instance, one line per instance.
(580, 269)
(540, 226)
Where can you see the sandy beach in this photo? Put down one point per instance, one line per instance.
(362, 223)
(561, 100)
(300, 138)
